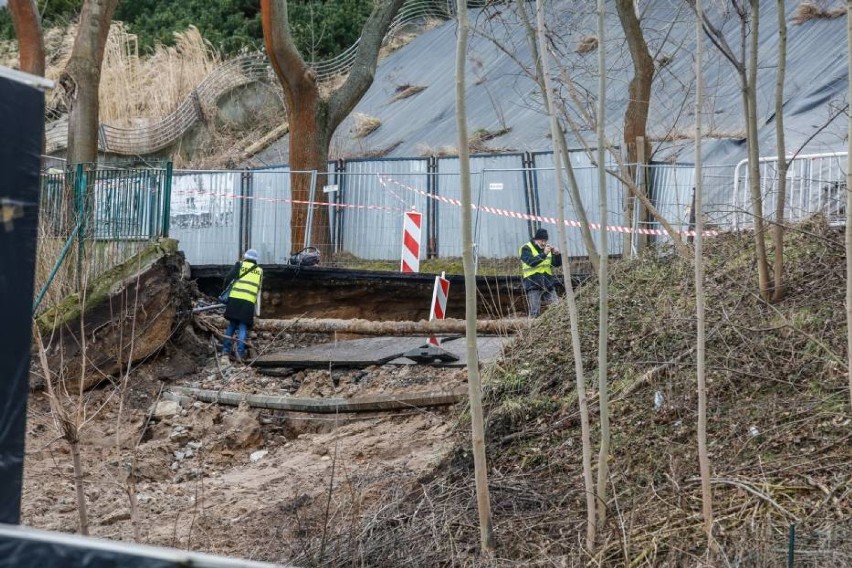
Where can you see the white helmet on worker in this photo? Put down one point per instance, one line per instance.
(251, 254)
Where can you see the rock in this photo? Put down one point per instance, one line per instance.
(258, 455)
(241, 430)
(165, 409)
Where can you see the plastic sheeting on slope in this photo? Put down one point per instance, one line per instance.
(500, 95)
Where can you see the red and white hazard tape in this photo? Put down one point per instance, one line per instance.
(383, 180)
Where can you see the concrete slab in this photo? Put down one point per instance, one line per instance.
(490, 348)
(349, 353)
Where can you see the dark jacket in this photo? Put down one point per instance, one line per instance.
(540, 280)
(237, 309)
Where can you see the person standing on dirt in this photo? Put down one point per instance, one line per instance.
(538, 259)
(243, 302)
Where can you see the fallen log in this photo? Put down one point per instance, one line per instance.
(320, 405)
(125, 316)
(366, 327)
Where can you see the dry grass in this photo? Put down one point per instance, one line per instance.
(365, 125)
(439, 152)
(808, 10)
(134, 88)
(406, 91)
(587, 44)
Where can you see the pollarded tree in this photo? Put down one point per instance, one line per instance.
(313, 117)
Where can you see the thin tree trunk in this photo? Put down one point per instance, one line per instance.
(577, 202)
(538, 53)
(778, 232)
(701, 340)
(603, 284)
(750, 103)
(27, 24)
(849, 207)
(82, 513)
(573, 313)
(483, 500)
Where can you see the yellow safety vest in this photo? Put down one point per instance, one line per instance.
(544, 267)
(248, 286)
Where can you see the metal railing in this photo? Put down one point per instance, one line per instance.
(95, 219)
(816, 183)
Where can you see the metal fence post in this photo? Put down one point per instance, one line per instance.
(80, 183)
(167, 200)
(791, 545)
(311, 200)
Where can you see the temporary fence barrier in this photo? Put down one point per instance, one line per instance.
(816, 183)
(410, 260)
(438, 309)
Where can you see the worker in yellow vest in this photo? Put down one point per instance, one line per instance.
(242, 302)
(537, 261)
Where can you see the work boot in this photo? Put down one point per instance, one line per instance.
(240, 358)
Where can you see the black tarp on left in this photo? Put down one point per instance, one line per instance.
(21, 127)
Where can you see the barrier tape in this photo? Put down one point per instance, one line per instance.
(528, 217)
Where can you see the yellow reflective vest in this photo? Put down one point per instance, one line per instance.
(544, 267)
(248, 285)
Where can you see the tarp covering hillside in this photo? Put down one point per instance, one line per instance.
(502, 96)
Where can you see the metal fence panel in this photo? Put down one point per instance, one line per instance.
(375, 194)
(816, 183)
(671, 188)
(586, 175)
(271, 209)
(203, 216)
(500, 184)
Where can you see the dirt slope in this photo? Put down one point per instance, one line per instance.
(779, 428)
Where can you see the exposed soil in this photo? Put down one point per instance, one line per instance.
(234, 481)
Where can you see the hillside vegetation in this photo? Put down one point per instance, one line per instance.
(779, 427)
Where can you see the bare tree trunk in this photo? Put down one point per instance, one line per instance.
(701, 340)
(27, 24)
(603, 284)
(638, 101)
(750, 104)
(573, 314)
(81, 80)
(483, 499)
(312, 118)
(82, 513)
(849, 208)
(539, 53)
(778, 232)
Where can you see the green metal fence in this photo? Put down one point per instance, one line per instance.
(99, 218)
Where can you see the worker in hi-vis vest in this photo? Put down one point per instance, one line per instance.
(537, 261)
(242, 302)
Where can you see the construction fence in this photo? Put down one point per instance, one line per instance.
(357, 207)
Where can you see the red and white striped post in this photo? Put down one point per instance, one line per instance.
(439, 303)
(411, 242)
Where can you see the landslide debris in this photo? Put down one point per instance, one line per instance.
(779, 428)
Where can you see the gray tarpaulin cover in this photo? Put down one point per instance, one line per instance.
(500, 94)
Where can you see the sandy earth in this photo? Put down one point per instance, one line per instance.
(233, 480)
